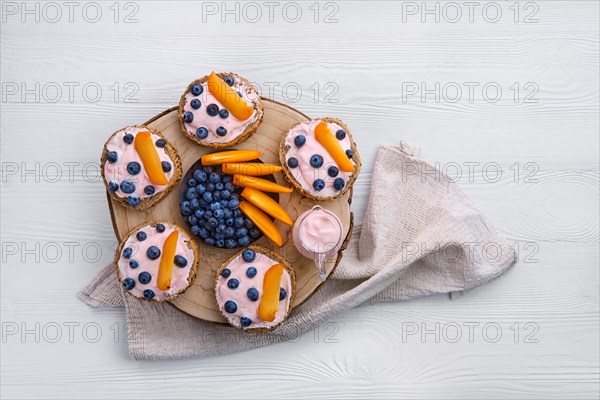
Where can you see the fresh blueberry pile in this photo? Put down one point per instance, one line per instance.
(209, 203)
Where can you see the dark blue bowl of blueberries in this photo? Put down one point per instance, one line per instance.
(209, 203)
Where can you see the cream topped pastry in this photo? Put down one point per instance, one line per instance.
(157, 261)
(139, 166)
(220, 110)
(254, 289)
(320, 158)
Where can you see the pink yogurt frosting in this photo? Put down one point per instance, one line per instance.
(117, 171)
(246, 307)
(180, 277)
(304, 173)
(234, 126)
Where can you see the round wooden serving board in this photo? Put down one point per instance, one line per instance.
(199, 300)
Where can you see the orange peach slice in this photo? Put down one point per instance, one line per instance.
(228, 97)
(327, 139)
(262, 222)
(149, 156)
(269, 303)
(230, 156)
(165, 269)
(260, 184)
(267, 204)
(253, 169)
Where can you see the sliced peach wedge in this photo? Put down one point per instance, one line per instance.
(262, 222)
(260, 184)
(165, 269)
(149, 156)
(253, 169)
(228, 97)
(267, 204)
(327, 139)
(269, 303)
(230, 156)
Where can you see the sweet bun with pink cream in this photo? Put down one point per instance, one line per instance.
(319, 158)
(157, 261)
(139, 167)
(255, 289)
(220, 110)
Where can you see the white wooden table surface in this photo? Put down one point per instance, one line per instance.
(503, 95)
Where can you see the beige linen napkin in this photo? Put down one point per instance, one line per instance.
(421, 236)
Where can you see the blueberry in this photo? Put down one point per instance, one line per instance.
(207, 196)
(202, 133)
(221, 131)
(194, 203)
(254, 233)
(220, 229)
(197, 89)
(195, 230)
(212, 222)
(241, 232)
(236, 212)
(129, 283)
(112, 156)
(316, 161)
(133, 200)
(220, 243)
(218, 214)
(134, 168)
(249, 255)
(127, 186)
(133, 264)
(319, 184)
(160, 228)
(166, 166)
(188, 117)
(212, 110)
(230, 243)
(148, 294)
(233, 203)
(149, 190)
(153, 252)
(128, 138)
(282, 294)
(214, 177)
(219, 186)
(245, 321)
(209, 241)
(229, 186)
(195, 103)
(248, 223)
(113, 186)
(180, 261)
(223, 113)
(199, 213)
(233, 283)
(141, 236)
(340, 134)
(292, 162)
(339, 183)
(251, 272)
(230, 306)
(144, 277)
(300, 140)
(333, 171)
(127, 252)
(215, 206)
(252, 294)
(207, 169)
(225, 194)
(238, 222)
(204, 233)
(225, 273)
(200, 188)
(200, 176)
(210, 186)
(243, 241)
(349, 153)
(160, 143)
(185, 209)
(229, 231)
(229, 222)
(192, 220)
(191, 194)
(229, 80)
